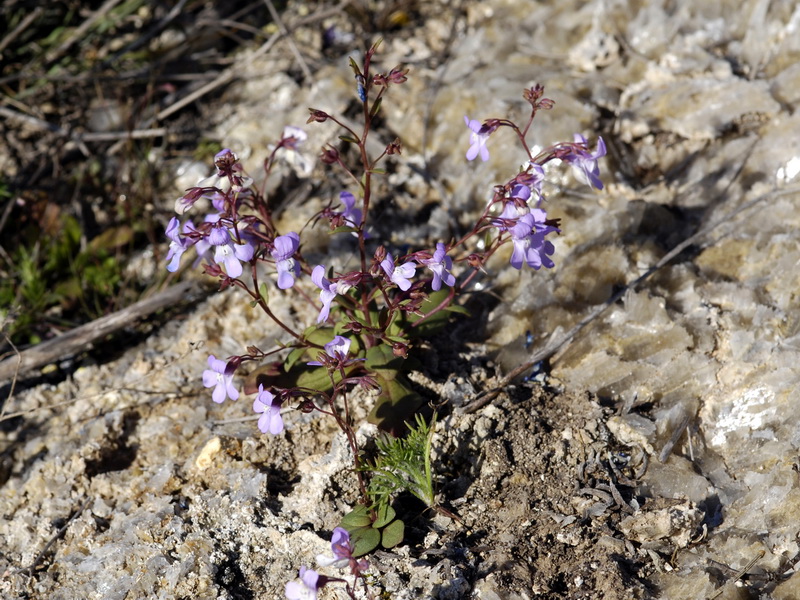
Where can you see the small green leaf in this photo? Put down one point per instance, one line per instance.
(347, 138)
(375, 107)
(378, 171)
(358, 517)
(263, 291)
(364, 540)
(293, 357)
(112, 238)
(386, 515)
(457, 308)
(393, 534)
(343, 229)
(354, 66)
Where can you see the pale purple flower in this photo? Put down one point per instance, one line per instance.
(350, 214)
(288, 268)
(308, 586)
(530, 245)
(218, 201)
(220, 380)
(270, 419)
(228, 253)
(584, 163)
(534, 249)
(337, 349)
(328, 292)
(440, 264)
(177, 245)
(400, 275)
(292, 137)
(342, 553)
(477, 139)
(534, 179)
(509, 218)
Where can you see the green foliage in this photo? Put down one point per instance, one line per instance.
(368, 529)
(403, 464)
(51, 271)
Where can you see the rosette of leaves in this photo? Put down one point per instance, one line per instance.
(370, 528)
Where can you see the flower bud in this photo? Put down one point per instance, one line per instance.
(475, 261)
(394, 147)
(329, 156)
(398, 75)
(400, 350)
(317, 116)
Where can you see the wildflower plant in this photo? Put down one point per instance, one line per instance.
(365, 323)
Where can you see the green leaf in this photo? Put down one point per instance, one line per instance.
(433, 324)
(381, 358)
(343, 229)
(396, 403)
(358, 517)
(293, 357)
(110, 239)
(354, 66)
(375, 107)
(263, 291)
(386, 515)
(393, 534)
(364, 540)
(457, 308)
(347, 138)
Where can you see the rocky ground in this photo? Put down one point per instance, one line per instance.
(654, 455)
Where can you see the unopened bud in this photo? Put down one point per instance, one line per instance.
(317, 116)
(329, 156)
(398, 75)
(306, 406)
(475, 261)
(354, 326)
(400, 350)
(394, 147)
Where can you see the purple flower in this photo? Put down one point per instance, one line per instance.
(328, 292)
(227, 252)
(336, 349)
(522, 192)
(270, 419)
(308, 586)
(530, 245)
(477, 140)
(342, 553)
(177, 245)
(350, 214)
(292, 137)
(584, 164)
(534, 179)
(440, 264)
(218, 378)
(288, 268)
(399, 275)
